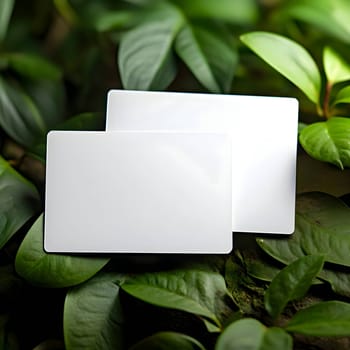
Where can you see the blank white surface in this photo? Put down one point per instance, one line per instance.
(264, 144)
(138, 192)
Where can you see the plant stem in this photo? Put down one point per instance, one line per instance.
(326, 100)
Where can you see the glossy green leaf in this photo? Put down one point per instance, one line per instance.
(168, 340)
(146, 60)
(52, 270)
(328, 141)
(292, 283)
(325, 319)
(343, 96)
(250, 334)
(331, 16)
(93, 317)
(195, 291)
(6, 7)
(33, 66)
(209, 54)
(288, 58)
(19, 116)
(19, 201)
(336, 68)
(233, 11)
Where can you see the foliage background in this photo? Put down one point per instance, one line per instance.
(59, 58)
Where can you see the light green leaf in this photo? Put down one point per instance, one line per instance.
(331, 16)
(195, 291)
(336, 68)
(33, 66)
(113, 20)
(328, 141)
(250, 334)
(325, 319)
(93, 317)
(343, 96)
(6, 7)
(168, 340)
(52, 270)
(19, 201)
(233, 11)
(288, 58)
(19, 116)
(292, 283)
(209, 55)
(146, 60)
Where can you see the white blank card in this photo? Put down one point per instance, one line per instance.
(263, 131)
(138, 192)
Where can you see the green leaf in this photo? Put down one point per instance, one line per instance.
(325, 319)
(168, 340)
(331, 16)
(19, 201)
(312, 236)
(52, 270)
(146, 60)
(250, 334)
(337, 70)
(343, 96)
(19, 116)
(195, 291)
(209, 55)
(328, 141)
(331, 219)
(33, 66)
(116, 20)
(292, 283)
(288, 58)
(6, 7)
(93, 317)
(233, 11)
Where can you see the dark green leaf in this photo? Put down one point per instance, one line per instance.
(292, 283)
(310, 238)
(33, 66)
(339, 280)
(6, 7)
(209, 55)
(288, 58)
(52, 270)
(19, 116)
(325, 319)
(168, 340)
(336, 68)
(93, 317)
(234, 11)
(146, 60)
(331, 16)
(343, 96)
(19, 201)
(195, 291)
(331, 219)
(250, 334)
(328, 141)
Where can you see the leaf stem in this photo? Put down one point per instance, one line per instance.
(326, 99)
